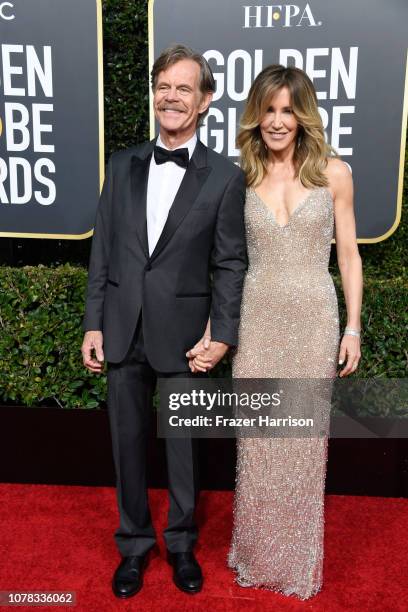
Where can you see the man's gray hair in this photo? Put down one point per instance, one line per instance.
(174, 54)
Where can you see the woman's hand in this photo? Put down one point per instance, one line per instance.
(349, 354)
(208, 360)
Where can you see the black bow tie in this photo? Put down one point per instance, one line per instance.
(178, 156)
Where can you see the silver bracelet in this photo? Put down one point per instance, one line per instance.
(351, 332)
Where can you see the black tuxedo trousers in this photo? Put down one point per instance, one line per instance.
(131, 385)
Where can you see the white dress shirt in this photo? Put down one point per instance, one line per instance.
(163, 184)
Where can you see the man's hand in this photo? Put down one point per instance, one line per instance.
(93, 340)
(201, 346)
(203, 359)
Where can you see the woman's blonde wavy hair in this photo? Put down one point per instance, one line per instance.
(311, 151)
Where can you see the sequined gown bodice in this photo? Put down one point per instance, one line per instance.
(289, 303)
(288, 329)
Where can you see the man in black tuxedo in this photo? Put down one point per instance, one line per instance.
(168, 254)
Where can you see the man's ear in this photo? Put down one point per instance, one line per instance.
(205, 101)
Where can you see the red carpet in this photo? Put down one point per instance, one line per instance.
(60, 538)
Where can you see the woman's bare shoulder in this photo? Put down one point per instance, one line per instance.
(337, 169)
(340, 178)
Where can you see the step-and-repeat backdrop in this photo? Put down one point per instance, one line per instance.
(355, 52)
(51, 117)
(51, 102)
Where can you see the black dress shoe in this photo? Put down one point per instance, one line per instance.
(128, 577)
(187, 575)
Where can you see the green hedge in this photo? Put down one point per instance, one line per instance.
(40, 318)
(41, 311)
(126, 73)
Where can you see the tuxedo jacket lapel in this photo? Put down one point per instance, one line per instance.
(193, 180)
(139, 174)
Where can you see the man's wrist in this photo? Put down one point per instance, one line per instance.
(220, 341)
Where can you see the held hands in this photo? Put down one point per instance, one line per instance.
(349, 353)
(206, 354)
(93, 341)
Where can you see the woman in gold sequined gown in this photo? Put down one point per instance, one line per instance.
(297, 191)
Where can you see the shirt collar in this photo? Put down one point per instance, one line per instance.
(190, 144)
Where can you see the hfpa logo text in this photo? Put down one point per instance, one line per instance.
(274, 15)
